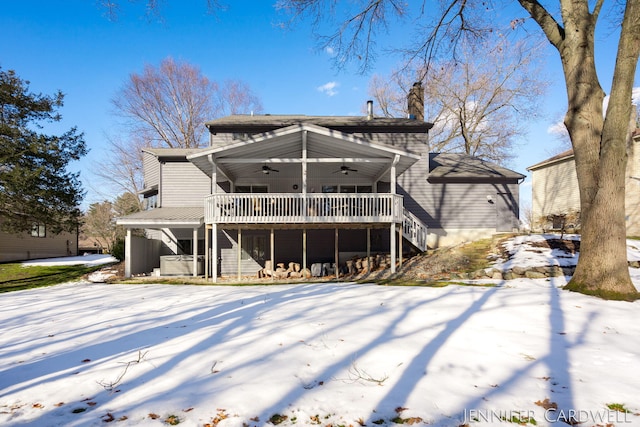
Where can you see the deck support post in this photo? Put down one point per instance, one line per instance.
(368, 250)
(207, 252)
(304, 249)
(239, 253)
(336, 255)
(393, 247)
(272, 248)
(194, 249)
(127, 254)
(400, 247)
(214, 253)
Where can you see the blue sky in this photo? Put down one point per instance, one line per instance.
(73, 47)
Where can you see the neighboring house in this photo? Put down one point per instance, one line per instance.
(91, 245)
(555, 194)
(37, 243)
(311, 190)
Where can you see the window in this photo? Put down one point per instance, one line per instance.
(254, 247)
(355, 189)
(251, 189)
(185, 247)
(346, 189)
(38, 230)
(151, 202)
(239, 136)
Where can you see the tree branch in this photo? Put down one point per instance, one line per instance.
(551, 28)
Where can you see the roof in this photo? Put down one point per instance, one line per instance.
(452, 166)
(565, 155)
(326, 149)
(568, 155)
(349, 124)
(171, 153)
(185, 217)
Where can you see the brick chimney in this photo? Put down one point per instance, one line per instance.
(415, 102)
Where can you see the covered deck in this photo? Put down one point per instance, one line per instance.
(357, 179)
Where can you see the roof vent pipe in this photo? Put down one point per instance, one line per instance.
(369, 110)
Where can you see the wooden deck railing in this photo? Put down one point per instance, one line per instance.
(414, 230)
(268, 208)
(314, 208)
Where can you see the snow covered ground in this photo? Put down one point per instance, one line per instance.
(88, 260)
(82, 354)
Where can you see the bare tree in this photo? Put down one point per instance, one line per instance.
(99, 221)
(477, 103)
(167, 106)
(599, 140)
(126, 204)
(152, 8)
(527, 218)
(122, 167)
(236, 97)
(99, 225)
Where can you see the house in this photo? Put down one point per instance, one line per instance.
(91, 245)
(555, 194)
(37, 243)
(312, 190)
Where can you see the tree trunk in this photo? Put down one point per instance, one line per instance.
(599, 147)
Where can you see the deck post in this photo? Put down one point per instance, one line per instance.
(400, 247)
(214, 253)
(207, 252)
(393, 247)
(239, 253)
(273, 262)
(127, 254)
(303, 164)
(304, 248)
(194, 249)
(336, 255)
(368, 250)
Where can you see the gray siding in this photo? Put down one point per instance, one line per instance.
(462, 205)
(151, 169)
(416, 142)
(183, 184)
(458, 205)
(228, 254)
(147, 254)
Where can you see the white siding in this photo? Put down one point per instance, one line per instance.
(632, 192)
(555, 189)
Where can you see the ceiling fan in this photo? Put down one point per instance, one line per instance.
(345, 170)
(266, 169)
